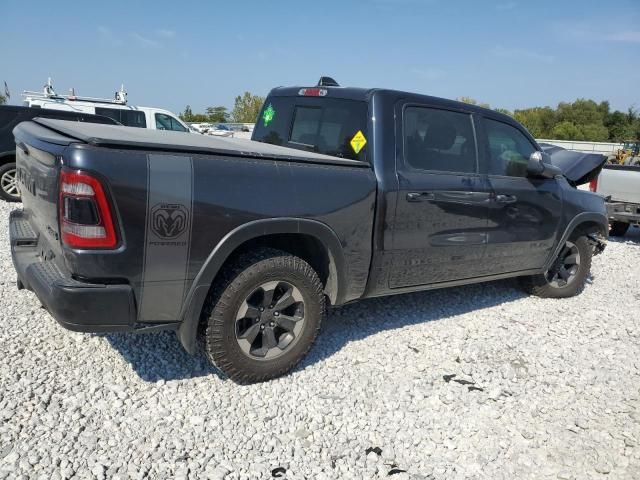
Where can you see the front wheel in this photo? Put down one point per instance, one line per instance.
(263, 315)
(568, 273)
(9, 183)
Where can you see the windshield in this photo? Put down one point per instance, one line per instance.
(335, 127)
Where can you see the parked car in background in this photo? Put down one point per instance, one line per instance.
(220, 131)
(116, 108)
(10, 116)
(620, 185)
(343, 194)
(200, 127)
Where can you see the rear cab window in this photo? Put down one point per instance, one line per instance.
(315, 124)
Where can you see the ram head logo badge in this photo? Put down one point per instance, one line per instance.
(169, 220)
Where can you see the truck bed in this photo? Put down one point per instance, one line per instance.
(215, 189)
(621, 182)
(117, 136)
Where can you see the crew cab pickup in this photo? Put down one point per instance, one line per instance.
(620, 185)
(342, 194)
(10, 116)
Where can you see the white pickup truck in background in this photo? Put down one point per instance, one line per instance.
(620, 184)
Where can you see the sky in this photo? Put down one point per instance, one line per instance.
(508, 53)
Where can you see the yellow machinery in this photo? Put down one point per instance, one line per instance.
(628, 153)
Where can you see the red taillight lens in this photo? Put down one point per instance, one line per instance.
(85, 215)
(593, 185)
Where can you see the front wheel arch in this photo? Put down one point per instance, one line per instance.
(582, 224)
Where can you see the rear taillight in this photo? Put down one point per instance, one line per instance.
(85, 215)
(593, 185)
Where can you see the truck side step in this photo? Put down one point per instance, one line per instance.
(22, 234)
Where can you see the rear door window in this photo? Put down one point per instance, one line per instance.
(439, 140)
(128, 118)
(321, 125)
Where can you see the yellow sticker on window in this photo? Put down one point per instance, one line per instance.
(358, 142)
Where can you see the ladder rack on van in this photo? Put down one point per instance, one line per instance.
(49, 93)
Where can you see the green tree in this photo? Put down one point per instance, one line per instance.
(473, 101)
(504, 110)
(187, 115)
(246, 108)
(217, 114)
(3, 100)
(618, 125)
(538, 120)
(565, 131)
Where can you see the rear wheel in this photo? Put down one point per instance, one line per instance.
(568, 273)
(618, 229)
(263, 316)
(9, 183)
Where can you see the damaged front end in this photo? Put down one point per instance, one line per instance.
(577, 167)
(598, 242)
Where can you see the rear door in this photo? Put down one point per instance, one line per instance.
(525, 213)
(439, 231)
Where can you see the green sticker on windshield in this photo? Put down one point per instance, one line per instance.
(268, 114)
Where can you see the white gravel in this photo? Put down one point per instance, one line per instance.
(476, 382)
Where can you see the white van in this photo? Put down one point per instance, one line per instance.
(117, 109)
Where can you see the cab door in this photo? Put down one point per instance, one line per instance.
(524, 212)
(440, 224)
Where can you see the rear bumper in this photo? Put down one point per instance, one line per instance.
(78, 306)
(623, 212)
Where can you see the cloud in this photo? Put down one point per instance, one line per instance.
(521, 53)
(506, 6)
(429, 73)
(627, 36)
(164, 33)
(108, 37)
(145, 42)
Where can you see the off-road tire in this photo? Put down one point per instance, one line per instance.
(230, 290)
(8, 167)
(618, 229)
(539, 286)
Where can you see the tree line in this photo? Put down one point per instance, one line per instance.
(583, 119)
(246, 108)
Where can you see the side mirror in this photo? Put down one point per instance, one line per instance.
(540, 165)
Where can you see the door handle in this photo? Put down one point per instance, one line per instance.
(506, 198)
(420, 196)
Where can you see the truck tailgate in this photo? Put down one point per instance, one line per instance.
(38, 153)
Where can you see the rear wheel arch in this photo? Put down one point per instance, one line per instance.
(9, 190)
(7, 157)
(311, 240)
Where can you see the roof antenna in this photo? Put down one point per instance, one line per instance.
(327, 82)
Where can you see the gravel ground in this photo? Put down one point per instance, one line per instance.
(476, 382)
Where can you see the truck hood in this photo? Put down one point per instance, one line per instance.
(577, 167)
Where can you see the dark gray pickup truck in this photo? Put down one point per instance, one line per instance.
(342, 194)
